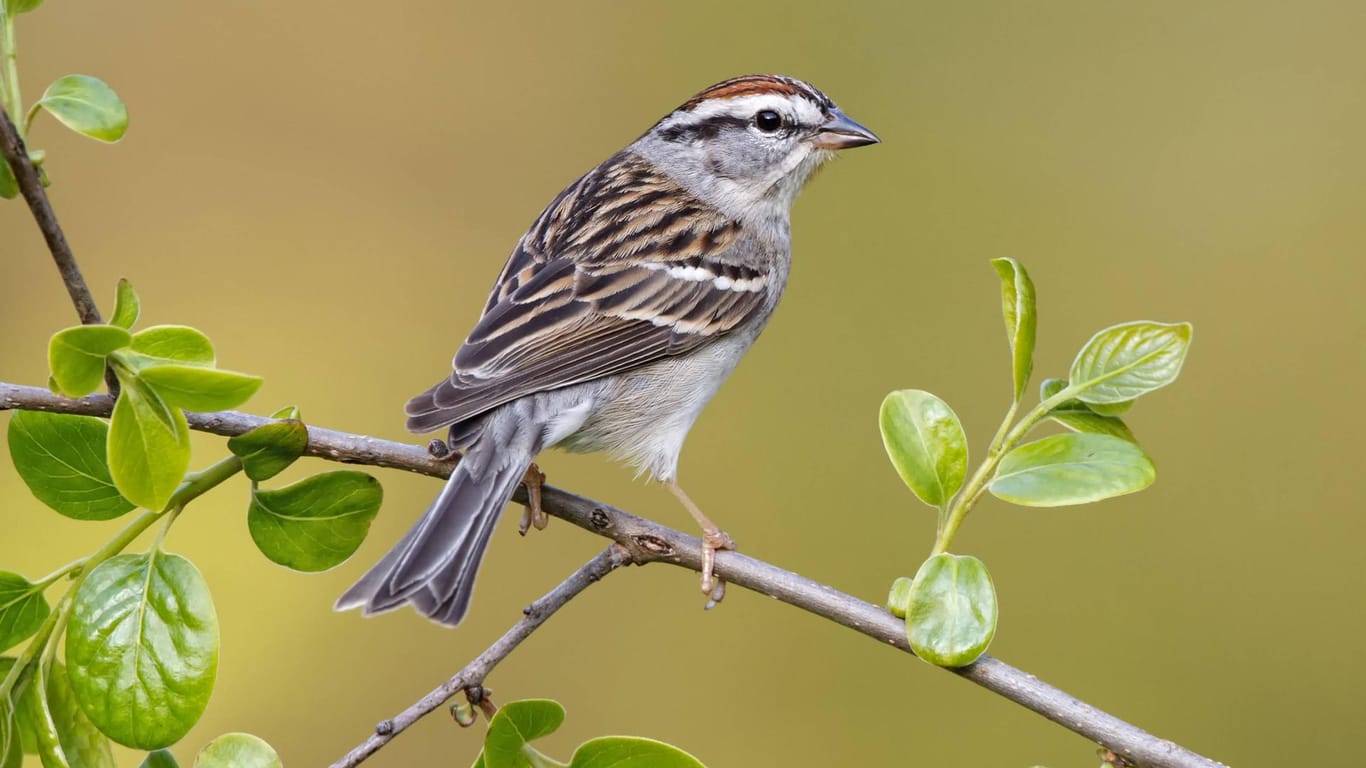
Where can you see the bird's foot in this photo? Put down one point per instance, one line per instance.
(713, 586)
(533, 516)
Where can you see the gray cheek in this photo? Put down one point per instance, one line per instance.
(744, 157)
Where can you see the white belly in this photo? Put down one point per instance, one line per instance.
(643, 416)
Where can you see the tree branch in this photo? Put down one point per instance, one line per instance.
(32, 187)
(646, 542)
(533, 616)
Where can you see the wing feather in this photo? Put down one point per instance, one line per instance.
(623, 269)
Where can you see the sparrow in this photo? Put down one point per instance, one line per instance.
(616, 318)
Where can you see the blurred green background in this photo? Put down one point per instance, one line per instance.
(328, 189)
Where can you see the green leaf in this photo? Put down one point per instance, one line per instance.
(142, 648)
(198, 388)
(1071, 469)
(1017, 304)
(64, 737)
(9, 188)
(1111, 409)
(149, 445)
(32, 715)
(180, 343)
(899, 597)
(1125, 361)
(22, 609)
(515, 724)
(926, 444)
(17, 7)
(287, 413)
(76, 356)
(62, 459)
(87, 106)
(161, 758)
(127, 307)
(1081, 417)
(84, 745)
(1084, 420)
(631, 752)
(268, 449)
(316, 523)
(27, 741)
(238, 750)
(952, 614)
(11, 753)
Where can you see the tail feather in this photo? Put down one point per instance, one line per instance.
(435, 563)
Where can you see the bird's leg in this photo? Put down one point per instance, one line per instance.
(533, 515)
(713, 538)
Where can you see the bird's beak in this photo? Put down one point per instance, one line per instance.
(839, 132)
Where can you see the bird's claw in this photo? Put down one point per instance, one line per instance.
(713, 586)
(533, 516)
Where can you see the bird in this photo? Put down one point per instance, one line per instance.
(618, 315)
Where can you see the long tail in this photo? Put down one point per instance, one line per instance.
(433, 566)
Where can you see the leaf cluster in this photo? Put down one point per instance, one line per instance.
(129, 654)
(950, 605)
(507, 744)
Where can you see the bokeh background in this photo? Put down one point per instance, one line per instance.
(328, 189)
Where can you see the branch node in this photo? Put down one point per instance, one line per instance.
(384, 727)
(481, 697)
(599, 519)
(656, 546)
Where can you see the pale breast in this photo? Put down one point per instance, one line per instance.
(644, 415)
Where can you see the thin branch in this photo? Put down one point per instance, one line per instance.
(12, 146)
(647, 542)
(533, 616)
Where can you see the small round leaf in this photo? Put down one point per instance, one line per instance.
(516, 724)
(161, 758)
(238, 750)
(127, 307)
(180, 343)
(142, 648)
(1074, 468)
(198, 388)
(926, 444)
(22, 609)
(268, 449)
(631, 752)
(1124, 361)
(1017, 305)
(316, 523)
(76, 356)
(88, 106)
(899, 597)
(62, 459)
(952, 614)
(149, 445)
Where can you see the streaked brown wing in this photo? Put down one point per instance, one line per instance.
(624, 268)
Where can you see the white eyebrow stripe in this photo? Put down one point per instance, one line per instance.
(703, 275)
(745, 106)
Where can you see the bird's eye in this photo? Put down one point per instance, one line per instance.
(768, 121)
